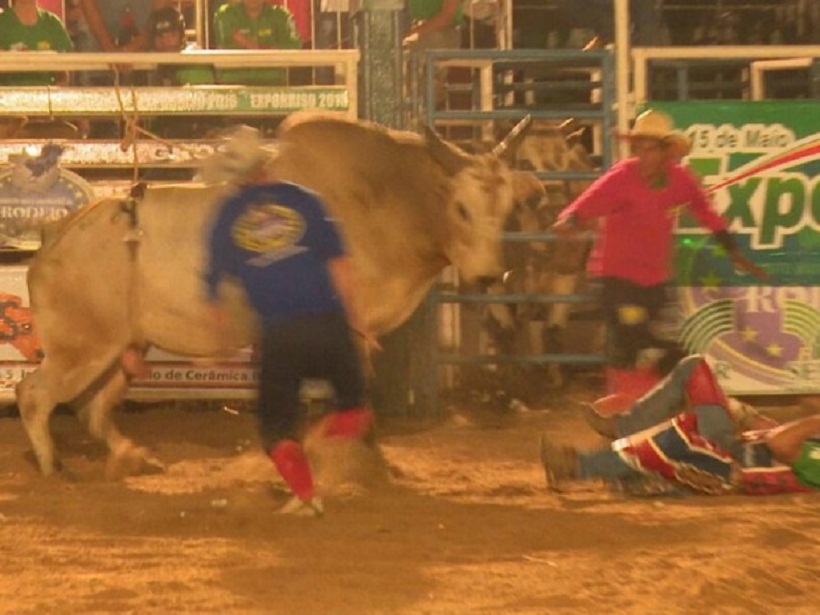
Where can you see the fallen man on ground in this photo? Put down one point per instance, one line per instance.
(688, 433)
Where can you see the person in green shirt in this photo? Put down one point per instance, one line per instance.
(27, 27)
(254, 24)
(435, 24)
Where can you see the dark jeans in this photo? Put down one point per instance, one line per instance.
(631, 312)
(318, 346)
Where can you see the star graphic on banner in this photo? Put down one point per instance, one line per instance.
(774, 349)
(717, 250)
(749, 334)
(710, 280)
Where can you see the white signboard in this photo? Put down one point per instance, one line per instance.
(169, 376)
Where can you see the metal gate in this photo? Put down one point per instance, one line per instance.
(465, 95)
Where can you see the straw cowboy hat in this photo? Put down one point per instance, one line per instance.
(241, 151)
(653, 124)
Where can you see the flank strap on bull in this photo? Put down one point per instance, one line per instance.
(133, 236)
(130, 207)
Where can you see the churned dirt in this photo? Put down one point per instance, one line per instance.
(448, 516)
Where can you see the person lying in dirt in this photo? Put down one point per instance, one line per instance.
(688, 433)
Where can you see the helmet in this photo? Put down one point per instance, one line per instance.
(164, 21)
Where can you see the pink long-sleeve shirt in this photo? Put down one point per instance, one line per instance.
(634, 239)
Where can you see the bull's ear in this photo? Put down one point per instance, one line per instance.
(527, 188)
(507, 148)
(447, 155)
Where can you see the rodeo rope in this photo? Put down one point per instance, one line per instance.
(132, 239)
(133, 130)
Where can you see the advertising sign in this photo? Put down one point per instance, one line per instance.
(760, 163)
(199, 100)
(168, 376)
(34, 189)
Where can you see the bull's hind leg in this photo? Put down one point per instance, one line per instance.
(36, 405)
(124, 456)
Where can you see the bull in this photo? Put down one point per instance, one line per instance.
(120, 274)
(542, 267)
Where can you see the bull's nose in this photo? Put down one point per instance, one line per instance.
(485, 281)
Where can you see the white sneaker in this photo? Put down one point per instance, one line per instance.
(301, 508)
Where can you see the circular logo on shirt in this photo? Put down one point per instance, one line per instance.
(268, 228)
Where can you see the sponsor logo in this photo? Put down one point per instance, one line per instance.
(761, 335)
(35, 190)
(270, 230)
(17, 327)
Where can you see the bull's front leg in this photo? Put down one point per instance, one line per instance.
(36, 405)
(124, 456)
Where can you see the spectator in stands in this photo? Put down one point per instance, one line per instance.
(166, 30)
(166, 33)
(77, 26)
(301, 11)
(434, 24)
(26, 27)
(118, 25)
(332, 32)
(254, 24)
(599, 16)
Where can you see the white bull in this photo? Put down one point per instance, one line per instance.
(408, 206)
(554, 267)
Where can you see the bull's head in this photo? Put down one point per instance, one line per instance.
(17, 327)
(481, 190)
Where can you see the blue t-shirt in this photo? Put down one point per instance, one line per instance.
(276, 240)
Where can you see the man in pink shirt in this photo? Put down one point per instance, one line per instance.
(636, 203)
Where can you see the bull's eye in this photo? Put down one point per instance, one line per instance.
(25, 328)
(462, 212)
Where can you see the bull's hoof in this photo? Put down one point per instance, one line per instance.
(45, 468)
(132, 461)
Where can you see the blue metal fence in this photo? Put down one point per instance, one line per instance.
(524, 82)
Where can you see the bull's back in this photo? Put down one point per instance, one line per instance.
(330, 155)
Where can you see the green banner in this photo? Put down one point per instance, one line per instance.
(194, 100)
(760, 162)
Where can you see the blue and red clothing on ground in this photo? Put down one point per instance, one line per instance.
(685, 431)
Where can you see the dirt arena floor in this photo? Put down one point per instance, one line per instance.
(452, 517)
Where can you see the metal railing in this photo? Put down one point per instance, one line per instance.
(500, 94)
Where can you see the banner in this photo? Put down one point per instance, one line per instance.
(34, 190)
(760, 162)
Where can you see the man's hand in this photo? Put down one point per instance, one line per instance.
(369, 340)
(245, 41)
(222, 331)
(744, 265)
(565, 225)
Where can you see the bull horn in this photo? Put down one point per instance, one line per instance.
(507, 148)
(448, 156)
(570, 126)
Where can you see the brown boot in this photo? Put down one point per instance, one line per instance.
(560, 463)
(603, 425)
